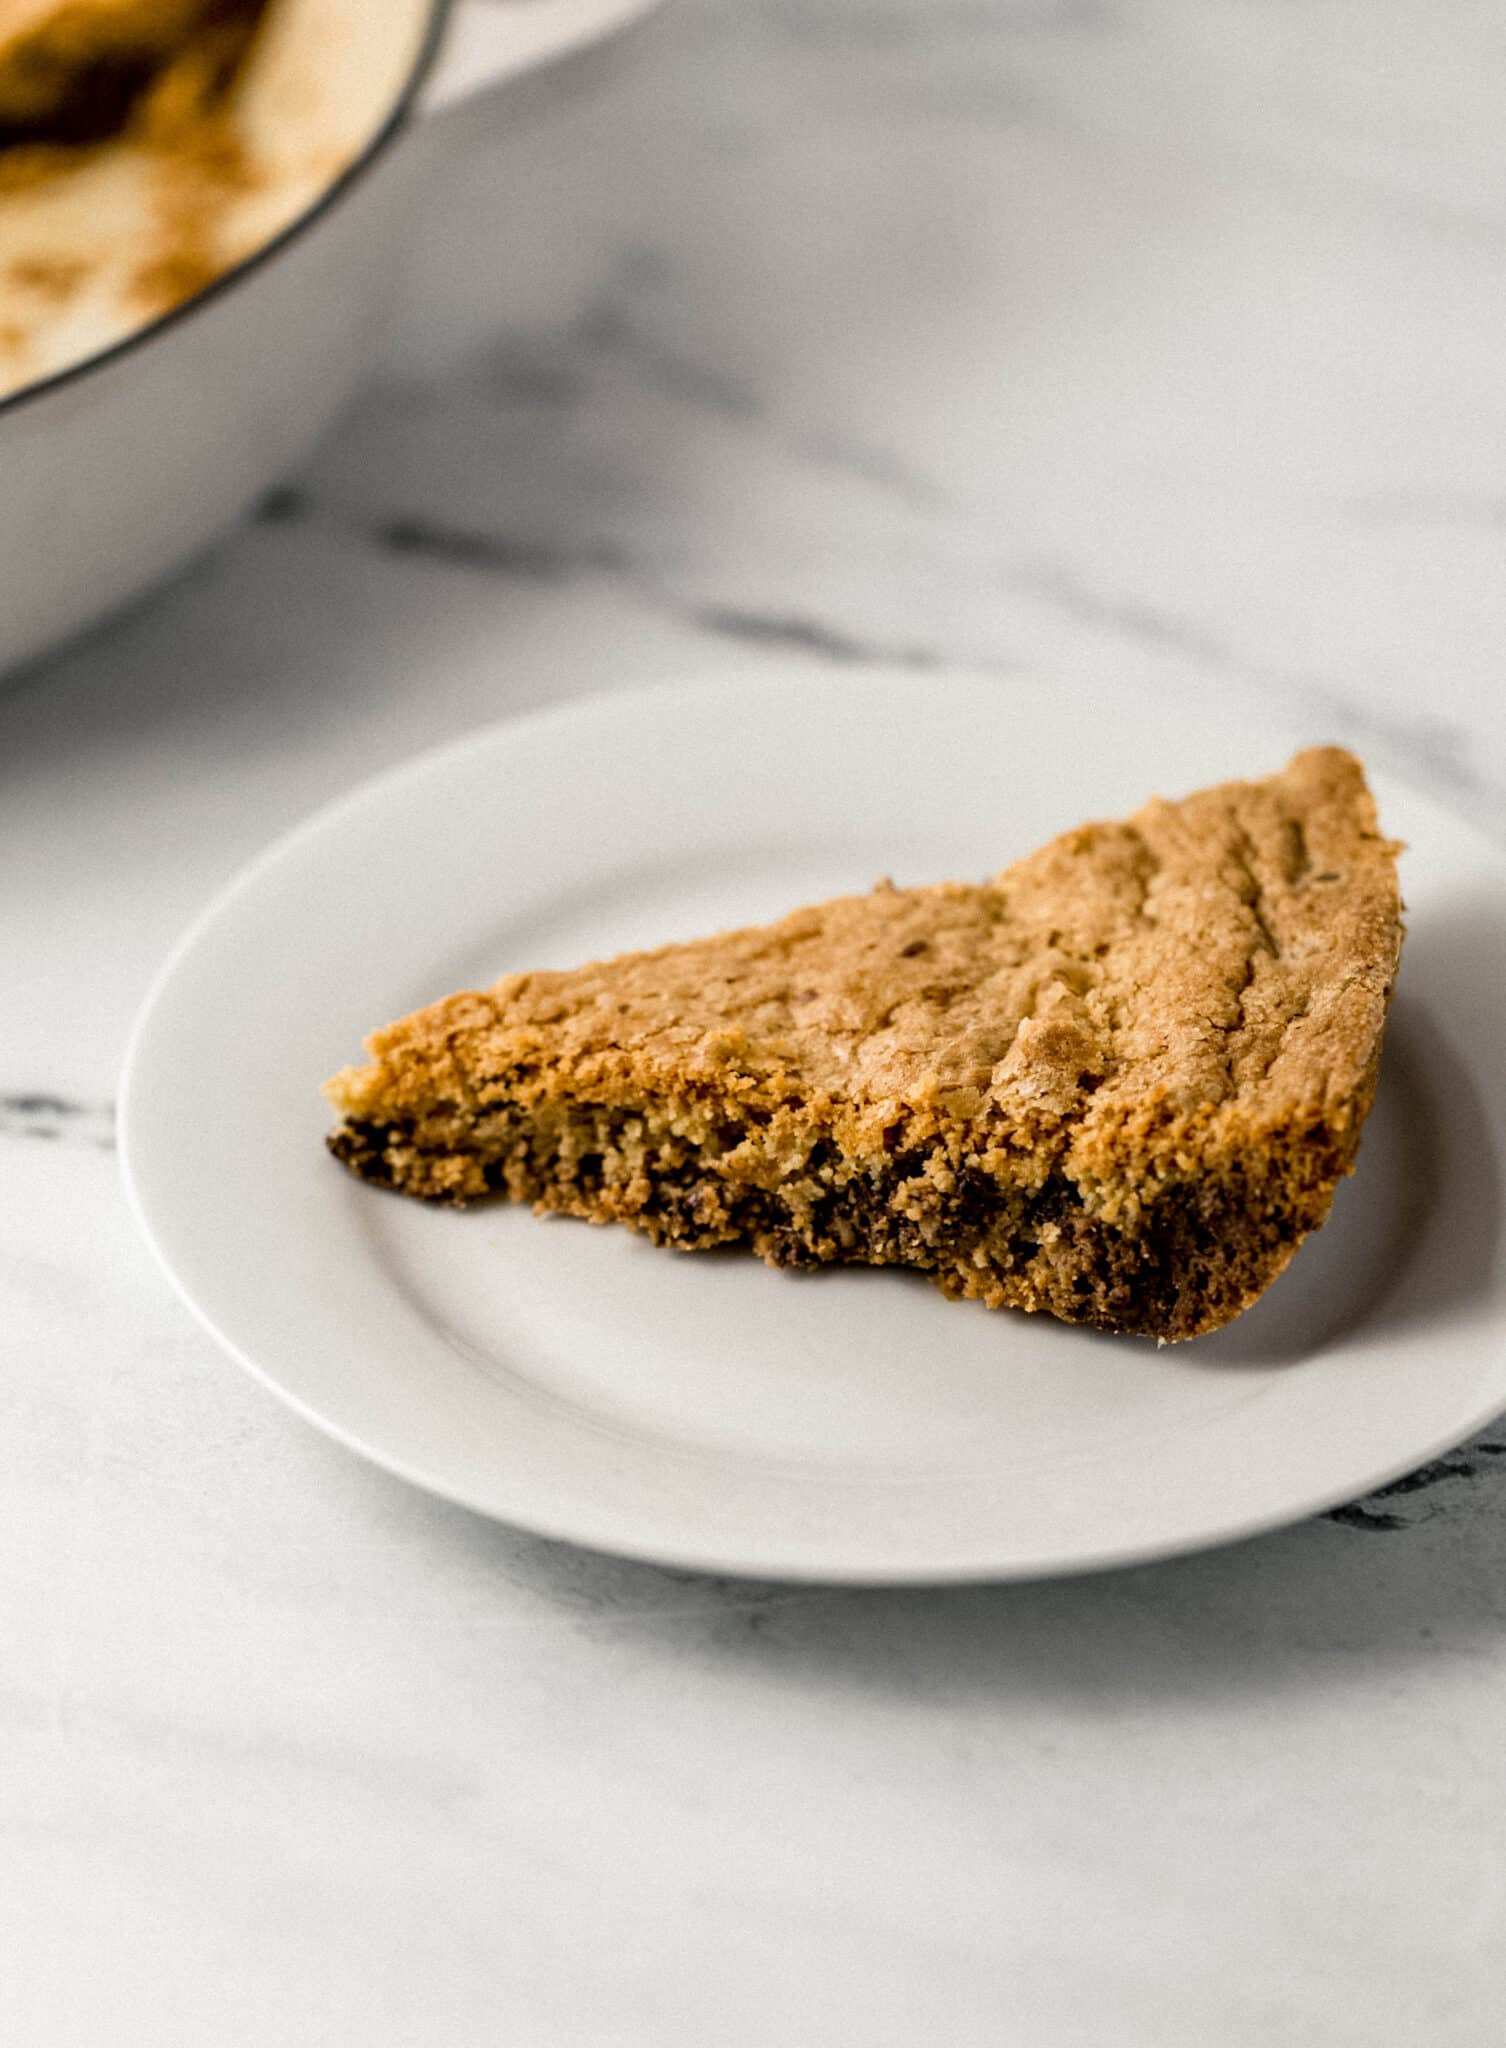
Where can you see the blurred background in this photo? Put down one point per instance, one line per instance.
(1156, 340)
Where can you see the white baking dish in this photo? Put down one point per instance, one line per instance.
(119, 466)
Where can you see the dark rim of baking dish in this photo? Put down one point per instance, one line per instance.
(375, 146)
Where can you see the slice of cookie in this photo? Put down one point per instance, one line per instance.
(1119, 1082)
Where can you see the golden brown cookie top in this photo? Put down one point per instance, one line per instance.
(1207, 972)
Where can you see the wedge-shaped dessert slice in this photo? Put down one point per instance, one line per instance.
(1119, 1082)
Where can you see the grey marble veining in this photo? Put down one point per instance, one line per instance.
(51, 1116)
(1155, 341)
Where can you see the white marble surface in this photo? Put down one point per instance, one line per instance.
(1155, 339)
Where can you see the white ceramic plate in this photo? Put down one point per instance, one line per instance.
(706, 1411)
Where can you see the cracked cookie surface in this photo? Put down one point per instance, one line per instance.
(1119, 1081)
